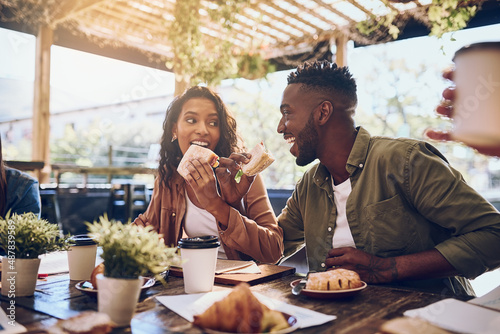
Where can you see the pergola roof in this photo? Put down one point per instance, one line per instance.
(137, 30)
(285, 31)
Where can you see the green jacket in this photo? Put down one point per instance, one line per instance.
(405, 199)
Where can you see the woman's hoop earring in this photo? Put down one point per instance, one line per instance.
(174, 138)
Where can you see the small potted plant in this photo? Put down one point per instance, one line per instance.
(129, 252)
(23, 238)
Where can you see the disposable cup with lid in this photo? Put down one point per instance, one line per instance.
(81, 257)
(199, 258)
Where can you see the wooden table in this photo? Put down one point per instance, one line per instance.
(25, 165)
(363, 313)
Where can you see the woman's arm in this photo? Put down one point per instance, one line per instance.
(257, 233)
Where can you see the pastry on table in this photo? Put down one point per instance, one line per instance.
(87, 322)
(336, 279)
(241, 312)
(99, 269)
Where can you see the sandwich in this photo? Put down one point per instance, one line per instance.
(200, 153)
(260, 160)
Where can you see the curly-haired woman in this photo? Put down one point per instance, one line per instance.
(210, 202)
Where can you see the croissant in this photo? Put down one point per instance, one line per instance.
(337, 279)
(240, 312)
(99, 269)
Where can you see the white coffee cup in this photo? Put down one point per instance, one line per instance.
(476, 115)
(199, 258)
(81, 257)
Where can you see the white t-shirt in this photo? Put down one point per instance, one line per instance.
(199, 222)
(342, 236)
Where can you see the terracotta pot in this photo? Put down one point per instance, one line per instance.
(118, 297)
(19, 277)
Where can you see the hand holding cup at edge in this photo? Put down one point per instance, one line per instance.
(472, 103)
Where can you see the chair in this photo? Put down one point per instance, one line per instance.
(127, 201)
(139, 198)
(50, 206)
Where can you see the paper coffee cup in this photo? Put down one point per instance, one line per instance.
(81, 257)
(199, 258)
(476, 115)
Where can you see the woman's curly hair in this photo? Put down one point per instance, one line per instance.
(170, 152)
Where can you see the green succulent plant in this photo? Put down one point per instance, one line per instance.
(26, 236)
(131, 251)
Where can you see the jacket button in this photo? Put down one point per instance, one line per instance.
(323, 265)
(329, 229)
(173, 214)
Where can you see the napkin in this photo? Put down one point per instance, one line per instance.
(54, 263)
(8, 325)
(188, 305)
(458, 316)
(236, 267)
(490, 300)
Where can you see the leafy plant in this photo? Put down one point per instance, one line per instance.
(253, 66)
(26, 236)
(450, 15)
(197, 59)
(375, 24)
(130, 251)
(442, 16)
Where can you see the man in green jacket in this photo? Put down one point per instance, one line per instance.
(393, 210)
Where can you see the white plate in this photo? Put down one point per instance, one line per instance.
(148, 282)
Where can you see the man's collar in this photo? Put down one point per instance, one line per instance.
(359, 151)
(355, 161)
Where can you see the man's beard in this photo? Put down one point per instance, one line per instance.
(307, 141)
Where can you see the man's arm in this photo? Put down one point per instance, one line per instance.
(372, 269)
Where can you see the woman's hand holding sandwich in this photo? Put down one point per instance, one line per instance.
(231, 191)
(202, 179)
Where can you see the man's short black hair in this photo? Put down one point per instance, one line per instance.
(325, 76)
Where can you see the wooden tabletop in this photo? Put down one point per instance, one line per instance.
(57, 298)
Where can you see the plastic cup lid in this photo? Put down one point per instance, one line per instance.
(206, 241)
(82, 240)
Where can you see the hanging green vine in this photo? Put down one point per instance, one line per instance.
(442, 16)
(450, 15)
(375, 24)
(200, 60)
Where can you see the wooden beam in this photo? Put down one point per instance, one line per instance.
(68, 8)
(41, 103)
(341, 53)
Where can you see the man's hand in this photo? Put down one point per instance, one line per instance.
(231, 191)
(371, 269)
